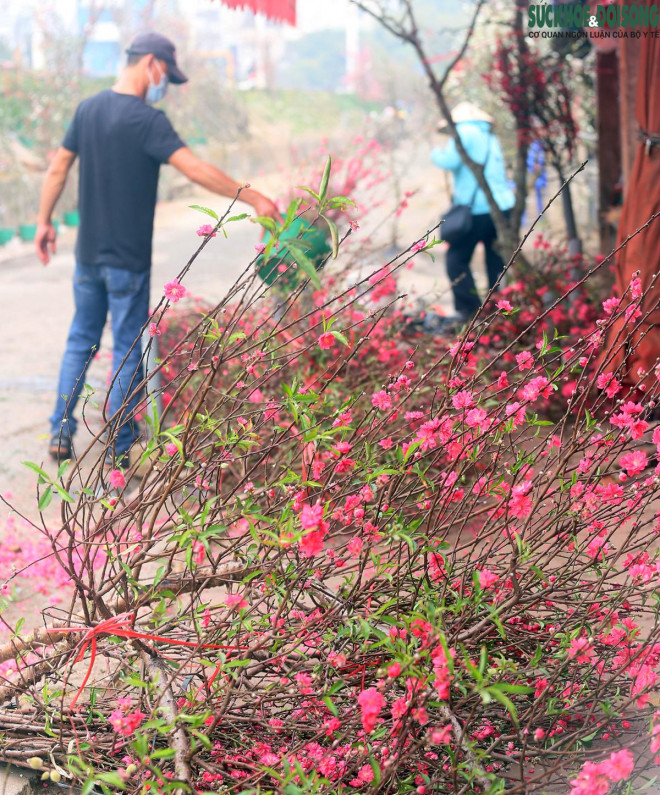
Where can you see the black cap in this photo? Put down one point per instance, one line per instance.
(162, 48)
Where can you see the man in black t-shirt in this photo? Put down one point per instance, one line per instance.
(121, 142)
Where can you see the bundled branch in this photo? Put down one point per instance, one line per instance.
(359, 559)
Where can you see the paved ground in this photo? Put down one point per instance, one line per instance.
(17, 782)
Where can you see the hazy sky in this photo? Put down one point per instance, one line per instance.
(316, 14)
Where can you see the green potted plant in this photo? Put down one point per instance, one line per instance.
(7, 217)
(300, 243)
(299, 247)
(71, 218)
(27, 232)
(6, 234)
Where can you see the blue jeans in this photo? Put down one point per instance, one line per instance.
(97, 288)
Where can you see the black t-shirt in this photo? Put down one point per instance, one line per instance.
(121, 142)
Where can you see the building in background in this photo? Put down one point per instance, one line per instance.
(247, 50)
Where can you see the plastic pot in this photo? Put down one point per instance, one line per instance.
(281, 266)
(6, 234)
(27, 232)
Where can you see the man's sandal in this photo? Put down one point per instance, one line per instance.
(59, 448)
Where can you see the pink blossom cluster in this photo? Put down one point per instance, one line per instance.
(371, 703)
(124, 722)
(595, 779)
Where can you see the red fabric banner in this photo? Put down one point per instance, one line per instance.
(280, 10)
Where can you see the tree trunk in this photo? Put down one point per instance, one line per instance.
(574, 242)
(523, 126)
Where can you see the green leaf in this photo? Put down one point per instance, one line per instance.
(237, 663)
(505, 701)
(483, 660)
(266, 222)
(341, 337)
(39, 471)
(159, 576)
(204, 740)
(334, 235)
(410, 450)
(291, 212)
(135, 681)
(342, 202)
(140, 745)
(162, 753)
(310, 191)
(472, 668)
(495, 618)
(205, 210)
(297, 244)
(112, 778)
(507, 688)
(45, 499)
(377, 775)
(305, 264)
(538, 654)
(544, 346)
(323, 190)
(448, 656)
(330, 704)
(63, 493)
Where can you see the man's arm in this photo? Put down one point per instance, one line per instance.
(211, 178)
(54, 182)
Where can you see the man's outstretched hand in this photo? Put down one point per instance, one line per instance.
(264, 206)
(45, 242)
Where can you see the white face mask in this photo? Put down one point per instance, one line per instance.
(157, 91)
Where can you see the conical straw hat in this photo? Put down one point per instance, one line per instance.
(466, 111)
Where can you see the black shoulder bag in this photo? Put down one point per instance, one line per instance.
(458, 218)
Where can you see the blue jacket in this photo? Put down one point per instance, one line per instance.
(475, 136)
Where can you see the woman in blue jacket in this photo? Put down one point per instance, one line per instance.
(475, 131)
